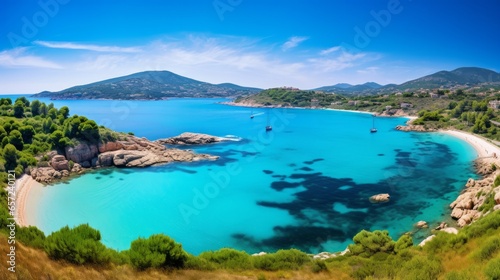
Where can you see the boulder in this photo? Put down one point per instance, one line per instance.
(59, 162)
(86, 164)
(470, 183)
(189, 138)
(497, 207)
(109, 147)
(422, 224)
(77, 168)
(465, 219)
(259, 254)
(441, 226)
(426, 240)
(450, 230)
(380, 198)
(43, 174)
(81, 152)
(497, 197)
(106, 159)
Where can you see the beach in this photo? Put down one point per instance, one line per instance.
(23, 187)
(483, 148)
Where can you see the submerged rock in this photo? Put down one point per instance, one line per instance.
(380, 198)
(422, 224)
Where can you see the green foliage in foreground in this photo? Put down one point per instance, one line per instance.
(79, 245)
(158, 251)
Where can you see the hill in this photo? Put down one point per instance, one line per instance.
(149, 85)
(348, 88)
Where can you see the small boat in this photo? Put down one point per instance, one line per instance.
(251, 114)
(269, 128)
(373, 129)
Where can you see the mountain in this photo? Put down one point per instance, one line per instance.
(465, 76)
(470, 76)
(348, 88)
(149, 85)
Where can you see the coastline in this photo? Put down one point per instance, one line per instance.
(251, 105)
(484, 149)
(24, 186)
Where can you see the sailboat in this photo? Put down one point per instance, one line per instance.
(373, 129)
(268, 126)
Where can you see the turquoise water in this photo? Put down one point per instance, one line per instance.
(305, 185)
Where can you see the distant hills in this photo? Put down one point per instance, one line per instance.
(149, 85)
(465, 76)
(165, 84)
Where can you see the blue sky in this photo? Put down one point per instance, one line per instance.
(55, 44)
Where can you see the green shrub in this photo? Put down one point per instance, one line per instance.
(403, 243)
(367, 243)
(488, 203)
(31, 236)
(78, 245)
(420, 268)
(318, 266)
(484, 225)
(459, 275)
(282, 260)
(493, 269)
(488, 249)
(197, 263)
(496, 183)
(158, 251)
(228, 258)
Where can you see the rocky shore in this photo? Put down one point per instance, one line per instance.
(189, 138)
(130, 152)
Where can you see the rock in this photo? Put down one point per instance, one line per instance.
(106, 159)
(57, 175)
(441, 226)
(51, 154)
(59, 162)
(259, 254)
(465, 220)
(497, 197)
(86, 164)
(426, 240)
(497, 207)
(324, 256)
(77, 168)
(470, 183)
(64, 173)
(422, 224)
(81, 152)
(43, 174)
(457, 213)
(380, 198)
(189, 138)
(450, 230)
(109, 147)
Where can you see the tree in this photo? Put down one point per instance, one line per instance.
(18, 109)
(24, 100)
(27, 132)
(35, 107)
(43, 109)
(158, 251)
(58, 139)
(5, 101)
(52, 113)
(89, 130)
(366, 243)
(79, 245)
(16, 139)
(64, 111)
(3, 133)
(404, 242)
(10, 156)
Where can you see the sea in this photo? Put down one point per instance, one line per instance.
(306, 184)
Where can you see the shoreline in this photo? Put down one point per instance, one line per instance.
(231, 103)
(483, 148)
(24, 186)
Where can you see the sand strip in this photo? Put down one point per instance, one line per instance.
(23, 188)
(483, 148)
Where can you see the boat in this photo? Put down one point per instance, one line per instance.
(251, 114)
(268, 126)
(373, 129)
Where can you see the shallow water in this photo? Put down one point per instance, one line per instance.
(305, 185)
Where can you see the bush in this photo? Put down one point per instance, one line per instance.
(282, 260)
(197, 263)
(490, 247)
(366, 243)
(493, 269)
(78, 245)
(158, 251)
(420, 268)
(496, 183)
(31, 236)
(228, 258)
(403, 243)
(318, 266)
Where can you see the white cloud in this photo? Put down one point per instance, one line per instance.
(293, 42)
(340, 62)
(18, 58)
(330, 50)
(368, 70)
(96, 48)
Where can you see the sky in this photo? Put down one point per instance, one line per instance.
(56, 44)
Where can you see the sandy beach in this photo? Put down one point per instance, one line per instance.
(483, 148)
(23, 188)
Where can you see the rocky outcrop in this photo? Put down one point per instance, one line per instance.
(380, 198)
(189, 138)
(128, 152)
(411, 127)
(422, 224)
(59, 163)
(82, 152)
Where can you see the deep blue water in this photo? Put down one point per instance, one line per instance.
(306, 184)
